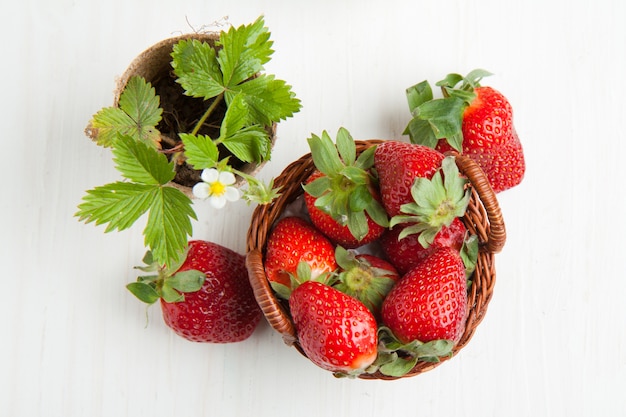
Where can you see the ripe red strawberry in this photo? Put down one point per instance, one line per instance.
(206, 298)
(365, 277)
(421, 189)
(490, 139)
(224, 309)
(430, 301)
(336, 232)
(479, 124)
(398, 165)
(341, 198)
(336, 332)
(292, 240)
(407, 252)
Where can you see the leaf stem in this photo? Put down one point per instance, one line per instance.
(206, 114)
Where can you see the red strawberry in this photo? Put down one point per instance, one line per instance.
(421, 189)
(478, 123)
(224, 309)
(336, 232)
(406, 253)
(365, 277)
(398, 164)
(292, 240)
(341, 198)
(207, 298)
(336, 332)
(429, 302)
(490, 139)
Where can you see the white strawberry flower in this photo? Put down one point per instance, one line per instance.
(217, 186)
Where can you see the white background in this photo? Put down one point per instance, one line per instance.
(75, 343)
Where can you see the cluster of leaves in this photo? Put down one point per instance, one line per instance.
(441, 118)
(229, 72)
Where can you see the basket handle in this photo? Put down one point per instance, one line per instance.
(496, 236)
(273, 311)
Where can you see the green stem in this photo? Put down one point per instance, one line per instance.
(206, 114)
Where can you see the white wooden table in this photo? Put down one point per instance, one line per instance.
(75, 343)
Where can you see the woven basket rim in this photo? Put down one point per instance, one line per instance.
(482, 218)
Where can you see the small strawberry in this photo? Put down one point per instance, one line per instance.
(365, 277)
(472, 119)
(335, 331)
(407, 252)
(398, 165)
(334, 230)
(341, 196)
(206, 297)
(429, 302)
(291, 241)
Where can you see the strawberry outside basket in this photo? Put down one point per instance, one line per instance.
(482, 218)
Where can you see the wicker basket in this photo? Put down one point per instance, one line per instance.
(483, 218)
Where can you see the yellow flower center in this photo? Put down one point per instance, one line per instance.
(217, 188)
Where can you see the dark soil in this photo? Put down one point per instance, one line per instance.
(180, 115)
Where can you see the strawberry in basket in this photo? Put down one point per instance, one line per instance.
(341, 194)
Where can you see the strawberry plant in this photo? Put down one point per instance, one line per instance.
(228, 75)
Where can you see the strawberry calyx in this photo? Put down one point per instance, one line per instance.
(436, 203)
(360, 279)
(396, 359)
(303, 274)
(344, 190)
(165, 282)
(442, 118)
(450, 84)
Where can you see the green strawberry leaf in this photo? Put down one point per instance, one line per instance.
(119, 205)
(269, 100)
(169, 224)
(469, 254)
(421, 132)
(244, 51)
(144, 292)
(324, 154)
(247, 143)
(200, 150)
(169, 294)
(346, 146)
(187, 281)
(445, 117)
(418, 95)
(318, 186)
(377, 213)
(399, 366)
(451, 80)
(137, 115)
(197, 69)
(141, 163)
(357, 224)
(250, 144)
(365, 160)
(397, 359)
